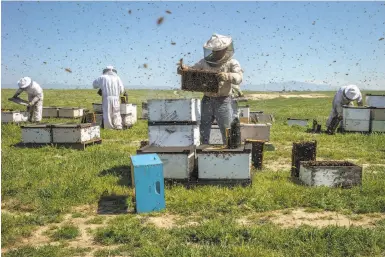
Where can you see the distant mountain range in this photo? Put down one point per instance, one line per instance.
(275, 86)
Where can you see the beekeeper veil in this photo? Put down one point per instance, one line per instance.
(109, 70)
(218, 49)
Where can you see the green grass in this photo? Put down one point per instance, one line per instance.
(40, 185)
(66, 232)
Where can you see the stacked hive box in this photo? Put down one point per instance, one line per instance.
(10, 116)
(127, 111)
(377, 119)
(356, 119)
(173, 131)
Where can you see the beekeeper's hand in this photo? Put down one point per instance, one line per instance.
(182, 68)
(224, 76)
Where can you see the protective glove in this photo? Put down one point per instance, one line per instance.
(182, 68)
(125, 94)
(360, 103)
(224, 76)
(100, 92)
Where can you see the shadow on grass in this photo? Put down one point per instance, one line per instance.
(113, 204)
(123, 172)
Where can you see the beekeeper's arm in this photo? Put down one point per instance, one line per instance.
(235, 76)
(18, 92)
(97, 85)
(359, 101)
(198, 65)
(121, 87)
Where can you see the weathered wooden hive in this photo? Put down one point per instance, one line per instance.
(174, 122)
(75, 133)
(302, 151)
(217, 162)
(50, 112)
(178, 162)
(11, 116)
(377, 119)
(375, 100)
(356, 118)
(70, 112)
(330, 173)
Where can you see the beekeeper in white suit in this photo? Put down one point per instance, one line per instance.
(35, 98)
(346, 95)
(218, 56)
(111, 87)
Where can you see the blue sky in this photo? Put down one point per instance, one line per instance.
(330, 43)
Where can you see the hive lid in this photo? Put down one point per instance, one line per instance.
(171, 100)
(73, 125)
(71, 108)
(356, 107)
(40, 125)
(375, 94)
(296, 119)
(326, 163)
(51, 107)
(222, 149)
(171, 123)
(170, 149)
(96, 103)
(145, 160)
(256, 112)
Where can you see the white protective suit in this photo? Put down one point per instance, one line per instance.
(112, 87)
(344, 96)
(35, 98)
(220, 105)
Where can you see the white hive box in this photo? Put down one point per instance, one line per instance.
(298, 122)
(214, 163)
(172, 134)
(97, 107)
(377, 119)
(13, 116)
(70, 112)
(374, 100)
(215, 136)
(255, 131)
(178, 162)
(75, 133)
(182, 110)
(356, 119)
(331, 174)
(39, 134)
(50, 112)
(127, 108)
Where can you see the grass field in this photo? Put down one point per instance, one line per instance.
(50, 196)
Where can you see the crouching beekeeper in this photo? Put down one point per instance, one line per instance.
(346, 95)
(35, 98)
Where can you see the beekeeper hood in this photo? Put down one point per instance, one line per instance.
(24, 82)
(352, 92)
(218, 49)
(109, 70)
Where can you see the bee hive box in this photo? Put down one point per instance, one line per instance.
(36, 133)
(378, 119)
(173, 134)
(70, 112)
(330, 173)
(356, 118)
(50, 112)
(10, 116)
(255, 131)
(74, 133)
(375, 100)
(222, 163)
(181, 110)
(178, 162)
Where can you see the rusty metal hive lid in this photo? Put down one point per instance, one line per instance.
(40, 125)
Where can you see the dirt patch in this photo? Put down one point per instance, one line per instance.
(298, 217)
(277, 95)
(277, 165)
(169, 221)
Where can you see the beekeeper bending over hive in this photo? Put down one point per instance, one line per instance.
(344, 96)
(111, 87)
(35, 98)
(218, 53)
